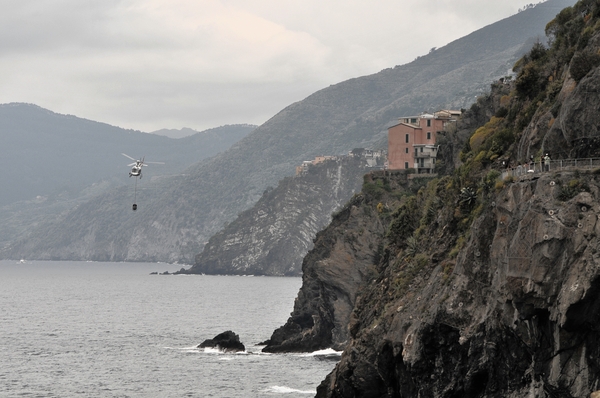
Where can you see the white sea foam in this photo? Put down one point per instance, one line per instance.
(193, 349)
(327, 352)
(208, 350)
(288, 390)
(211, 350)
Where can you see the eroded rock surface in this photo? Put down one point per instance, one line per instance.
(273, 236)
(518, 314)
(341, 262)
(227, 341)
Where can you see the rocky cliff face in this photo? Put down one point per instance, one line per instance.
(570, 126)
(479, 287)
(273, 236)
(342, 262)
(515, 314)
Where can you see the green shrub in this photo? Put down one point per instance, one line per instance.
(412, 246)
(404, 222)
(582, 63)
(460, 242)
(447, 270)
(410, 270)
(483, 132)
(501, 112)
(502, 140)
(574, 187)
(537, 52)
(373, 190)
(468, 197)
(528, 81)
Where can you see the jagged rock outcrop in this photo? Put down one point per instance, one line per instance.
(516, 314)
(333, 272)
(272, 237)
(570, 128)
(227, 342)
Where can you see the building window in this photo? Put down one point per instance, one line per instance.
(406, 149)
(414, 121)
(407, 138)
(429, 134)
(406, 165)
(428, 122)
(421, 149)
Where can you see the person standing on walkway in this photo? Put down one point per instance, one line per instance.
(546, 163)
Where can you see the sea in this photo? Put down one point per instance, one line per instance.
(92, 329)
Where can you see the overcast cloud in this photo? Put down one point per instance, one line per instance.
(152, 64)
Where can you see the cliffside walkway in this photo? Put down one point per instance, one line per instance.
(527, 170)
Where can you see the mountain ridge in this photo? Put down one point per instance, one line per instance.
(272, 237)
(51, 163)
(332, 121)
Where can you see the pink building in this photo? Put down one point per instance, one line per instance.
(412, 141)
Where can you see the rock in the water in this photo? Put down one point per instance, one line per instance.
(226, 342)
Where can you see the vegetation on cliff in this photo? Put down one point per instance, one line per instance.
(343, 259)
(475, 286)
(470, 297)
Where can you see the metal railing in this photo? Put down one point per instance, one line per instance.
(554, 166)
(424, 155)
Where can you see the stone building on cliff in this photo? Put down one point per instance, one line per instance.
(412, 140)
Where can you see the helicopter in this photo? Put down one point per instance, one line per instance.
(136, 171)
(136, 166)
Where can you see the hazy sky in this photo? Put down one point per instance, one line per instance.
(151, 64)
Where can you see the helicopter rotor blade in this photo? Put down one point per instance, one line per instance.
(154, 162)
(127, 156)
(131, 164)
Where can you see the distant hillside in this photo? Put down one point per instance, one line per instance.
(175, 133)
(44, 153)
(273, 236)
(351, 114)
(51, 163)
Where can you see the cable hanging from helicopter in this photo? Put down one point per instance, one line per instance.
(136, 171)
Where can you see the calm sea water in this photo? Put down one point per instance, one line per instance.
(112, 330)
